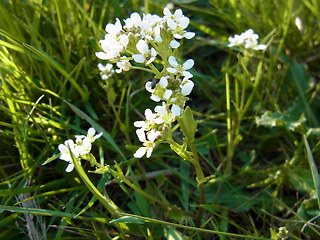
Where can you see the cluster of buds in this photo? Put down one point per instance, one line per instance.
(80, 147)
(248, 39)
(142, 40)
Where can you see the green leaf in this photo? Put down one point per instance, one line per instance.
(51, 213)
(314, 170)
(127, 219)
(187, 124)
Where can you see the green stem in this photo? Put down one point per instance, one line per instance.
(142, 69)
(229, 134)
(191, 228)
(200, 180)
(121, 176)
(105, 200)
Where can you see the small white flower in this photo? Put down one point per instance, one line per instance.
(180, 69)
(123, 65)
(148, 144)
(134, 22)
(161, 110)
(248, 39)
(146, 55)
(106, 70)
(90, 135)
(114, 29)
(65, 153)
(83, 146)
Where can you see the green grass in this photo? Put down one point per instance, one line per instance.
(258, 136)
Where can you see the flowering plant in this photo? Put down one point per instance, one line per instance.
(146, 40)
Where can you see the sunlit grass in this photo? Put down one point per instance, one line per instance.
(253, 111)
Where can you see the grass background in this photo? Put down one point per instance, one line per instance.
(253, 112)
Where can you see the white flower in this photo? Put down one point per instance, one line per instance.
(146, 55)
(112, 48)
(106, 70)
(123, 65)
(65, 153)
(161, 110)
(178, 69)
(248, 39)
(83, 145)
(114, 29)
(177, 22)
(90, 135)
(148, 122)
(148, 144)
(134, 22)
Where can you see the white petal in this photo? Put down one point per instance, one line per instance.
(135, 18)
(187, 88)
(62, 148)
(166, 12)
(148, 86)
(152, 135)
(178, 13)
(176, 110)
(149, 152)
(188, 64)
(177, 36)
(171, 70)
(187, 74)
(70, 167)
(163, 82)
(102, 55)
(172, 24)
(142, 47)
(155, 98)
(140, 152)
(174, 44)
(138, 124)
(189, 35)
(184, 22)
(158, 120)
(167, 94)
(148, 114)
(173, 62)
(98, 136)
(66, 157)
(139, 58)
(141, 135)
(91, 131)
(153, 52)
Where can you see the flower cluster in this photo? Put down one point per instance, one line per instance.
(248, 39)
(80, 147)
(143, 40)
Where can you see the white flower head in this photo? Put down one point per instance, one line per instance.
(114, 29)
(133, 23)
(148, 144)
(180, 69)
(90, 135)
(247, 39)
(123, 65)
(65, 149)
(146, 55)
